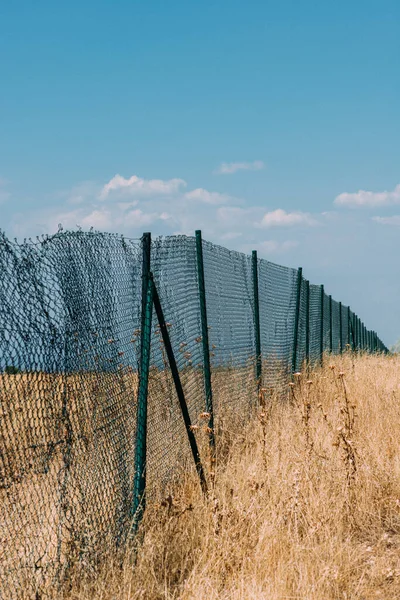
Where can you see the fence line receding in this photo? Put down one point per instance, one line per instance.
(114, 355)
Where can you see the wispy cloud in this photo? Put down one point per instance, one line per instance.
(229, 168)
(268, 247)
(281, 218)
(202, 195)
(393, 220)
(364, 198)
(136, 186)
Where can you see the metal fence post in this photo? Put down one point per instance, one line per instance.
(139, 490)
(349, 327)
(307, 322)
(297, 318)
(330, 325)
(257, 331)
(205, 340)
(340, 329)
(321, 347)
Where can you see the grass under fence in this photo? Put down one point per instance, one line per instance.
(305, 502)
(304, 498)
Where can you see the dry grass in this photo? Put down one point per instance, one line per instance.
(305, 505)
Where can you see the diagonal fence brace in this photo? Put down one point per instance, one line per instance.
(178, 386)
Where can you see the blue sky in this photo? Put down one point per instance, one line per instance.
(258, 122)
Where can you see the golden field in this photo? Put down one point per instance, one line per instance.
(305, 503)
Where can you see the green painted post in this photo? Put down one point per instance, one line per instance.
(307, 322)
(355, 337)
(205, 340)
(139, 491)
(340, 329)
(330, 325)
(321, 348)
(257, 330)
(355, 331)
(349, 327)
(297, 319)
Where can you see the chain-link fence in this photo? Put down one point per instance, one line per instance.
(92, 412)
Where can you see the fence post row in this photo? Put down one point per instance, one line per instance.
(205, 340)
(321, 346)
(257, 331)
(139, 489)
(297, 318)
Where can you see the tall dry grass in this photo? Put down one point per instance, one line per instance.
(305, 502)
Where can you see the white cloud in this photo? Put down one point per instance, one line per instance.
(281, 218)
(394, 220)
(231, 235)
(267, 247)
(207, 197)
(229, 168)
(368, 199)
(136, 186)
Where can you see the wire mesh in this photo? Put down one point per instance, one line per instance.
(70, 344)
(326, 324)
(173, 263)
(335, 327)
(302, 332)
(277, 317)
(315, 323)
(230, 311)
(68, 384)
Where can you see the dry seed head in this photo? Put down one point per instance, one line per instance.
(194, 427)
(332, 367)
(341, 373)
(291, 384)
(204, 415)
(298, 374)
(309, 382)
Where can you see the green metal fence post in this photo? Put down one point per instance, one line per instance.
(330, 325)
(340, 329)
(205, 340)
(321, 348)
(307, 322)
(355, 337)
(139, 490)
(297, 318)
(355, 331)
(257, 331)
(349, 327)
